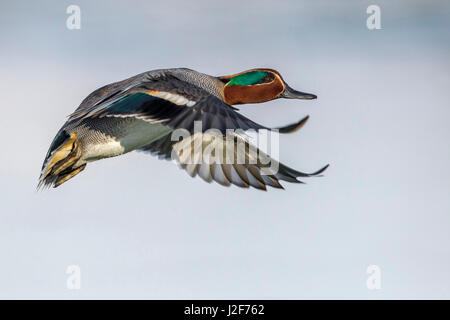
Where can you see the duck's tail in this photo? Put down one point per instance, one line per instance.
(60, 164)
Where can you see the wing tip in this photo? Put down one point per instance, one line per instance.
(290, 128)
(318, 172)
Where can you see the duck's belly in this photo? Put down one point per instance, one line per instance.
(109, 137)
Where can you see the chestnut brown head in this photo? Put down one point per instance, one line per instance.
(258, 85)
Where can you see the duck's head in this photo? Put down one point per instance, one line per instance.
(258, 85)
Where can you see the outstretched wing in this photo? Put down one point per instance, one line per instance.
(167, 100)
(226, 159)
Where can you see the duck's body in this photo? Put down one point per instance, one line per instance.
(142, 113)
(110, 137)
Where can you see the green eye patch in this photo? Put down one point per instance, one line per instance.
(251, 78)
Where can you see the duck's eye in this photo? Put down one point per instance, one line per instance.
(251, 78)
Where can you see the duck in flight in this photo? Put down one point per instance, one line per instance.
(143, 112)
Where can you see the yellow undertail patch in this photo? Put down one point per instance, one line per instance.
(61, 153)
(60, 166)
(63, 178)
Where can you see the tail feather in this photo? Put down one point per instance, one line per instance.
(60, 163)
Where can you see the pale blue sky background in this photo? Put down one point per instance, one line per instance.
(141, 228)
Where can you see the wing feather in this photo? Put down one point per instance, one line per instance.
(259, 170)
(164, 98)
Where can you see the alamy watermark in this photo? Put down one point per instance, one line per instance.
(73, 281)
(232, 147)
(73, 21)
(373, 282)
(373, 21)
